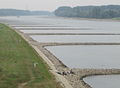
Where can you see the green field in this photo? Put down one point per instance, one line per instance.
(17, 60)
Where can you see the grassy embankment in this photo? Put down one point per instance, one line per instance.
(16, 63)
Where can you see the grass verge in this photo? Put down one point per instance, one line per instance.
(17, 60)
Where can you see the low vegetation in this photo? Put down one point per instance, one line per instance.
(17, 60)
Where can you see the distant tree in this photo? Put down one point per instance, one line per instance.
(64, 11)
(109, 11)
(15, 12)
(95, 13)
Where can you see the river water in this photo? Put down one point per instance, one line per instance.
(58, 21)
(108, 81)
(42, 30)
(104, 56)
(77, 38)
(88, 56)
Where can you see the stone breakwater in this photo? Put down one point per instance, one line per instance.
(76, 79)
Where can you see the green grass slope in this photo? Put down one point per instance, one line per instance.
(16, 63)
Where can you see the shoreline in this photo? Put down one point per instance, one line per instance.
(53, 70)
(71, 80)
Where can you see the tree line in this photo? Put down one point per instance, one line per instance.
(106, 11)
(16, 12)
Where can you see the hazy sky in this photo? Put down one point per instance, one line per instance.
(51, 4)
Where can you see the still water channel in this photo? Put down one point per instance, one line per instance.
(77, 38)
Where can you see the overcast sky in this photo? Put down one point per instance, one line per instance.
(51, 4)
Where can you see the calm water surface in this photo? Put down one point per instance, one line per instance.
(68, 31)
(59, 21)
(110, 81)
(77, 38)
(104, 56)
